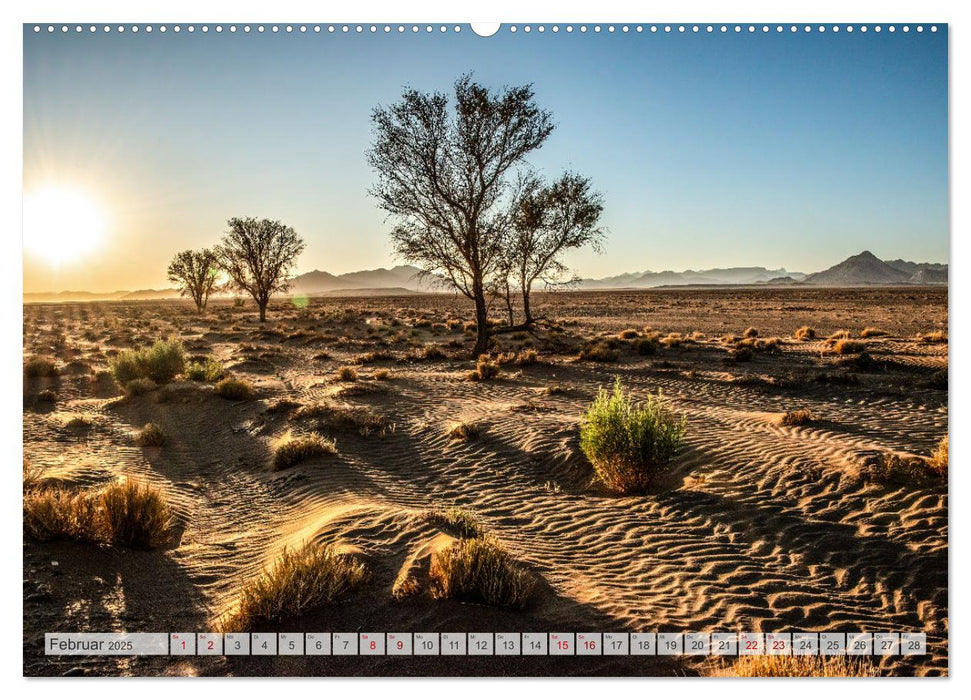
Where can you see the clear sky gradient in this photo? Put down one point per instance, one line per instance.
(712, 150)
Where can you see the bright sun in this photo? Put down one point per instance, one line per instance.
(61, 224)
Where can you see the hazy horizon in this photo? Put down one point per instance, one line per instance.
(790, 151)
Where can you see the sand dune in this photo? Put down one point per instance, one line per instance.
(758, 527)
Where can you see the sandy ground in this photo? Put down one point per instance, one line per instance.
(760, 526)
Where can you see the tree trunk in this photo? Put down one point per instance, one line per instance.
(481, 321)
(263, 311)
(526, 311)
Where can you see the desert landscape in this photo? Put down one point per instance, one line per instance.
(809, 492)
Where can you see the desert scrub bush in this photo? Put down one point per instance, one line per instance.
(138, 387)
(457, 521)
(124, 514)
(151, 435)
(740, 353)
(801, 416)
(628, 334)
(644, 346)
(235, 390)
(485, 369)
(844, 346)
(872, 333)
(599, 352)
(805, 333)
(461, 430)
(672, 340)
(295, 450)
(47, 395)
(629, 444)
(901, 470)
(160, 362)
(132, 515)
(801, 666)
(210, 370)
(839, 335)
(300, 580)
(32, 475)
(480, 570)
(750, 332)
(938, 461)
(40, 366)
(347, 374)
(383, 375)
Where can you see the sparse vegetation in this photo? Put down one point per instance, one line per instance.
(802, 416)
(872, 333)
(938, 461)
(300, 580)
(599, 352)
(628, 334)
(138, 387)
(123, 514)
(805, 333)
(485, 369)
(383, 375)
(801, 666)
(209, 370)
(465, 431)
(347, 374)
(161, 362)
(750, 332)
(630, 444)
(151, 435)
(844, 346)
(480, 570)
(40, 366)
(932, 337)
(457, 521)
(235, 390)
(294, 450)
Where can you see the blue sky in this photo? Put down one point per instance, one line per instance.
(791, 150)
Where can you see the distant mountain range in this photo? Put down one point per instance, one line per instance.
(858, 270)
(866, 268)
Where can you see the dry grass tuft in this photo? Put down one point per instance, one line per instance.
(301, 579)
(805, 333)
(872, 333)
(628, 334)
(457, 521)
(485, 369)
(903, 470)
(151, 435)
(32, 475)
(461, 430)
(383, 375)
(480, 570)
(938, 461)
(601, 351)
(844, 346)
(40, 366)
(801, 666)
(124, 514)
(750, 332)
(295, 450)
(932, 337)
(793, 418)
(347, 374)
(138, 387)
(235, 390)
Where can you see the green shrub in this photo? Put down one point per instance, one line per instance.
(629, 444)
(160, 362)
(210, 371)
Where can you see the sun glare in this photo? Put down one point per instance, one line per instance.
(61, 224)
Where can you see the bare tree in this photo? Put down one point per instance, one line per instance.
(258, 255)
(442, 177)
(550, 220)
(195, 272)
